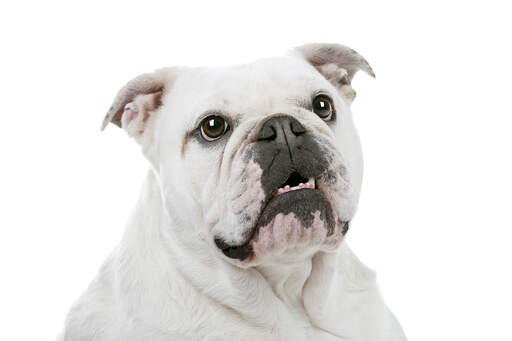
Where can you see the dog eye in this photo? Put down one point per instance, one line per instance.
(322, 106)
(213, 127)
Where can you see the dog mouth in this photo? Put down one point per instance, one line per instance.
(295, 183)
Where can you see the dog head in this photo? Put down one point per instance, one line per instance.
(259, 162)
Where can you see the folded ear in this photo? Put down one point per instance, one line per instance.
(137, 101)
(337, 63)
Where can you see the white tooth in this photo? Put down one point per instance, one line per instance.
(286, 187)
(311, 181)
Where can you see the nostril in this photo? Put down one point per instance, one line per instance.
(272, 128)
(297, 128)
(268, 132)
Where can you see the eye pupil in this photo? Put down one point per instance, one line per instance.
(322, 106)
(213, 127)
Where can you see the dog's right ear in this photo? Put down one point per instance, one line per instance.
(138, 100)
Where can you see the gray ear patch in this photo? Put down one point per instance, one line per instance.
(142, 85)
(319, 55)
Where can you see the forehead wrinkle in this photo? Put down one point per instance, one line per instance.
(302, 102)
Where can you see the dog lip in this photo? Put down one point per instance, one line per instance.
(240, 252)
(243, 251)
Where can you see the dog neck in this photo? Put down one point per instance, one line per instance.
(287, 281)
(159, 275)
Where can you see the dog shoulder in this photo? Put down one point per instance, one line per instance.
(95, 315)
(361, 303)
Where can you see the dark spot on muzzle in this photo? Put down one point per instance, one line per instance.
(303, 204)
(288, 154)
(284, 147)
(240, 252)
(346, 226)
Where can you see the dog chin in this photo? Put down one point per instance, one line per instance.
(292, 226)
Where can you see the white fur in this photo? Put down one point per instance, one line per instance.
(168, 281)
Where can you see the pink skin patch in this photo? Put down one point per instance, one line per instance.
(332, 242)
(136, 113)
(285, 236)
(247, 198)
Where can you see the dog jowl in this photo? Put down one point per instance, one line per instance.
(297, 172)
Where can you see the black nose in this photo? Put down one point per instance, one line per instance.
(281, 128)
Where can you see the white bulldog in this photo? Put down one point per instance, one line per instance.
(255, 174)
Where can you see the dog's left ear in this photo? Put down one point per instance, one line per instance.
(337, 63)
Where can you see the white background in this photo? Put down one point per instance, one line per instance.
(436, 127)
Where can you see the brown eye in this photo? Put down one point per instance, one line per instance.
(322, 106)
(213, 127)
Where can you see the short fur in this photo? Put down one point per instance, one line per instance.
(168, 280)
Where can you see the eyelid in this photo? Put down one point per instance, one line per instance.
(200, 119)
(205, 114)
(323, 93)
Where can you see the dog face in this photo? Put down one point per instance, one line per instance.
(261, 162)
